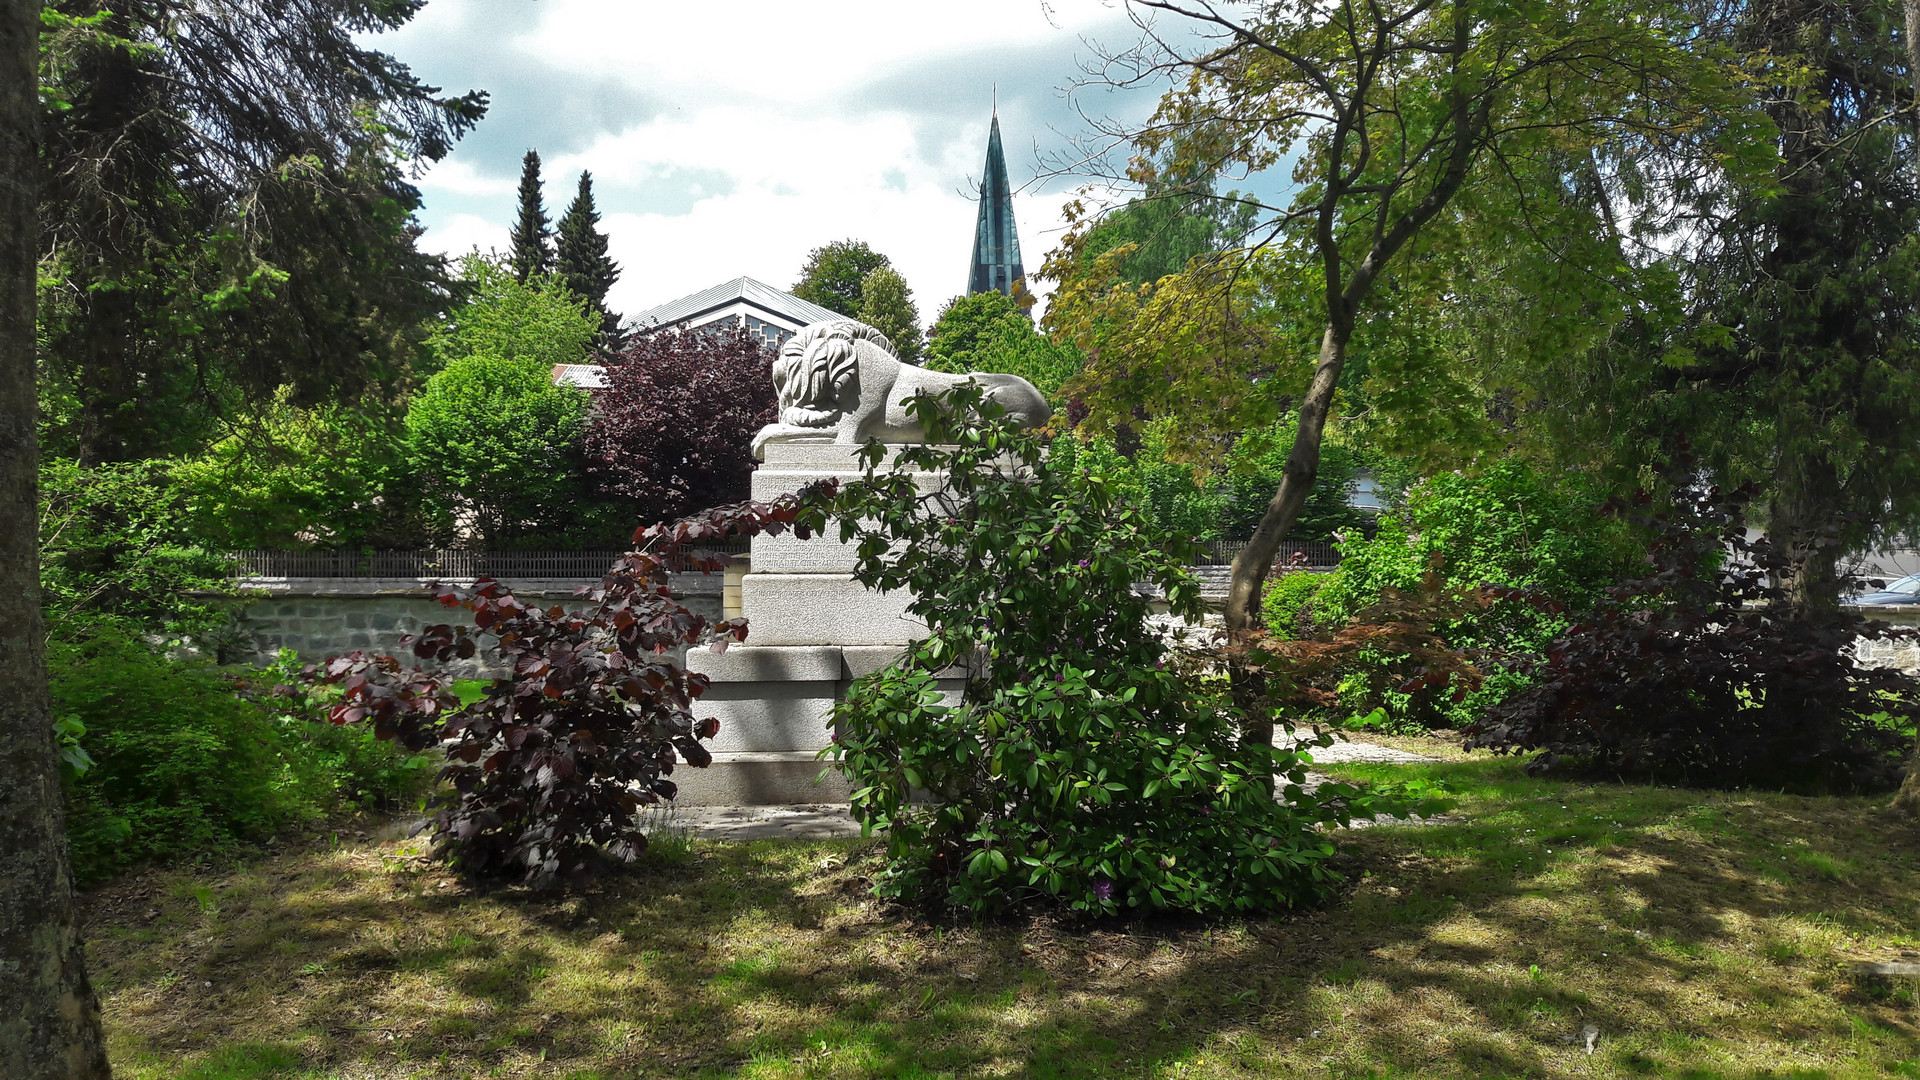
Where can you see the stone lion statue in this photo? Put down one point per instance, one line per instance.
(844, 378)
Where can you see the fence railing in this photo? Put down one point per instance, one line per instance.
(453, 564)
(461, 564)
(1316, 553)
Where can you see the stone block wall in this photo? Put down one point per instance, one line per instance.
(321, 617)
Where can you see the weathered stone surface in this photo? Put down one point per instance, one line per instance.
(788, 554)
(763, 663)
(761, 779)
(805, 821)
(844, 378)
(321, 617)
(820, 609)
(769, 717)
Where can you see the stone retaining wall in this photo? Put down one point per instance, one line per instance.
(321, 617)
(1906, 657)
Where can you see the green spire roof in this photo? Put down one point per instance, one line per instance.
(996, 243)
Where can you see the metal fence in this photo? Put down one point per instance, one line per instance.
(461, 564)
(1317, 553)
(452, 564)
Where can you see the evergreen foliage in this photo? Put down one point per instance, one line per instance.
(886, 304)
(834, 273)
(225, 211)
(580, 256)
(1804, 340)
(530, 249)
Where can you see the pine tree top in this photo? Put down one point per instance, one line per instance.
(581, 257)
(530, 251)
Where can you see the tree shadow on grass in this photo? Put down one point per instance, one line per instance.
(1679, 924)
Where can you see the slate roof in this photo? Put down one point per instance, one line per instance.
(782, 305)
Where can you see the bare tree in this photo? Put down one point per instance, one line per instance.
(49, 1018)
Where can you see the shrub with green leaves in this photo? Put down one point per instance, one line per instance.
(498, 447)
(164, 758)
(1289, 608)
(335, 475)
(117, 541)
(1079, 768)
(1509, 526)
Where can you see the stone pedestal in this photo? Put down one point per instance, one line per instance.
(811, 630)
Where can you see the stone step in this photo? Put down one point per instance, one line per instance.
(761, 779)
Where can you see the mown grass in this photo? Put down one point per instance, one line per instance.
(1704, 935)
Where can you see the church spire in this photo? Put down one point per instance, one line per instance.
(996, 243)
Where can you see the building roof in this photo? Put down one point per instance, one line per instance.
(584, 376)
(783, 306)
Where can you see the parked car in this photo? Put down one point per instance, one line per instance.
(1904, 590)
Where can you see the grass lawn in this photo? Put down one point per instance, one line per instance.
(1704, 935)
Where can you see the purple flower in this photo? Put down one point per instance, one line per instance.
(1102, 890)
(1083, 564)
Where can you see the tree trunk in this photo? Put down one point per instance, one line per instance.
(1296, 483)
(1801, 527)
(1908, 800)
(49, 1018)
(1913, 69)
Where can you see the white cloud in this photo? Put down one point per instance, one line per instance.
(460, 233)
(763, 106)
(458, 177)
(785, 50)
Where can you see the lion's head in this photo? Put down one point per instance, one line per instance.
(817, 374)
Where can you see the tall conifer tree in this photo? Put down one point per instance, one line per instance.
(580, 255)
(531, 254)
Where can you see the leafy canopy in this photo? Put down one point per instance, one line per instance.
(672, 430)
(834, 274)
(886, 304)
(496, 445)
(991, 332)
(225, 210)
(1080, 768)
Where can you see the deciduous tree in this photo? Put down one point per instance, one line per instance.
(886, 304)
(497, 445)
(990, 331)
(1388, 111)
(50, 1026)
(834, 273)
(673, 428)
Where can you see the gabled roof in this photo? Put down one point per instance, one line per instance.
(783, 306)
(584, 376)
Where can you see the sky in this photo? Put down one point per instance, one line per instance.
(733, 138)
